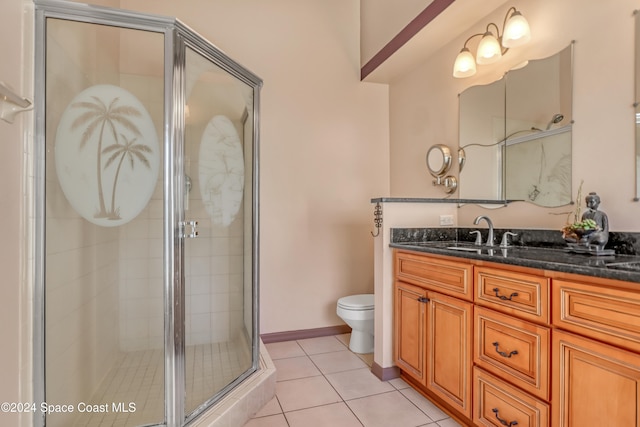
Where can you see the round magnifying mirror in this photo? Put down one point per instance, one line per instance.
(438, 160)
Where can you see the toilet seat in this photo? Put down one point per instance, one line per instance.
(357, 302)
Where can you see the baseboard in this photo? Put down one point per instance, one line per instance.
(385, 374)
(305, 333)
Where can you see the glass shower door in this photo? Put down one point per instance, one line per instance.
(103, 280)
(218, 262)
(146, 219)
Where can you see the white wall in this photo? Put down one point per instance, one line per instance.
(424, 107)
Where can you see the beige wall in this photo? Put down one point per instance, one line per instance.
(324, 147)
(424, 108)
(324, 155)
(382, 20)
(13, 332)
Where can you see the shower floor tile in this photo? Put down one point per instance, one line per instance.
(138, 378)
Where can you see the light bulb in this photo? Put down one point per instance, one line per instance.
(516, 31)
(489, 50)
(465, 65)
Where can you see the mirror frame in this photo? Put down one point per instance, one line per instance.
(636, 104)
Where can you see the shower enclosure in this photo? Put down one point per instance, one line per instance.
(146, 188)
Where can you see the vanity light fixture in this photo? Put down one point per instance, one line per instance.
(515, 32)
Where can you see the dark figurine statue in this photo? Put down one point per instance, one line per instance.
(591, 234)
(601, 235)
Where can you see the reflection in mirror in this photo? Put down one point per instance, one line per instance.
(482, 128)
(538, 159)
(637, 103)
(525, 152)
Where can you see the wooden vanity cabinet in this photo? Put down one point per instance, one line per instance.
(596, 360)
(433, 330)
(501, 345)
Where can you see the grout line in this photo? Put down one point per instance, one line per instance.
(342, 400)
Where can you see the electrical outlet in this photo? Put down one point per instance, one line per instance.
(446, 219)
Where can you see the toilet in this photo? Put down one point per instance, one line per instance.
(357, 312)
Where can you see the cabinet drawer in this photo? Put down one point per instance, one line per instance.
(448, 277)
(607, 314)
(513, 349)
(519, 294)
(496, 403)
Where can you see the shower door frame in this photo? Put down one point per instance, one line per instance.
(177, 37)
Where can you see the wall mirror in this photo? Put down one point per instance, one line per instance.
(516, 134)
(637, 102)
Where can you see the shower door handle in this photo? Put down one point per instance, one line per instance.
(193, 232)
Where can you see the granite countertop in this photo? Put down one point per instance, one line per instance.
(542, 249)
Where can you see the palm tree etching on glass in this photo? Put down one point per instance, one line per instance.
(132, 151)
(109, 119)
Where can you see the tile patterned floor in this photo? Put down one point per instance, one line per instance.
(323, 384)
(138, 377)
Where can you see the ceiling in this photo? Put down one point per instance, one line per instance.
(447, 26)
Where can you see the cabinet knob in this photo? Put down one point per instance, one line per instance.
(423, 299)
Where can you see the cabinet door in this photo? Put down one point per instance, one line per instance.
(449, 326)
(410, 317)
(594, 384)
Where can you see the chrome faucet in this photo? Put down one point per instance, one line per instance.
(505, 239)
(490, 224)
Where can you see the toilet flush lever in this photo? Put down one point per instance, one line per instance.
(192, 227)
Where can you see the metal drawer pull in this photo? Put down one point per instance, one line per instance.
(502, 353)
(502, 297)
(423, 299)
(503, 422)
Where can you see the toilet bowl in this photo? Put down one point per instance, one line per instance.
(357, 312)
